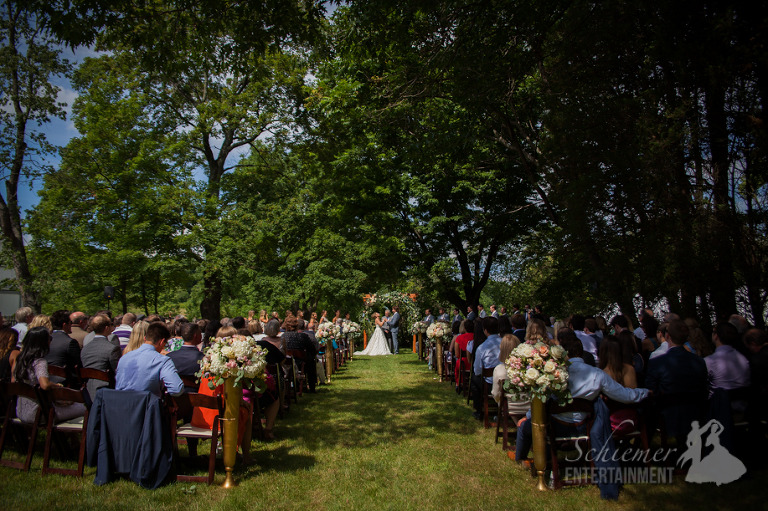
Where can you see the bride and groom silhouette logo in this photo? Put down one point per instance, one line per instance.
(710, 461)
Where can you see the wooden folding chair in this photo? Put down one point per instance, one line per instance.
(506, 425)
(12, 391)
(489, 404)
(76, 426)
(558, 443)
(187, 430)
(299, 365)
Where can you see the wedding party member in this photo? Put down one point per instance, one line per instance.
(471, 313)
(378, 344)
(8, 351)
(428, 317)
(481, 311)
(486, 357)
(442, 315)
(146, 369)
(64, 351)
(100, 353)
(32, 368)
(394, 328)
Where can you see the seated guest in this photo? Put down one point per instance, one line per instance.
(518, 325)
(65, 351)
(508, 343)
(32, 368)
(23, 316)
(296, 340)
(9, 338)
(584, 382)
(187, 358)
(41, 320)
(255, 329)
(79, 321)
(100, 353)
(565, 334)
(629, 354)
(123, 331)
(536, 331)
(612, 361)
(486, 357)
(175, 342)
(756, 343)
(146, 369)
(137, 336)
(727, 368)
(460, 343)
(588, 340)
(678, 372)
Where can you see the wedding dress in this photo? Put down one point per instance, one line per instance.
(378, 344)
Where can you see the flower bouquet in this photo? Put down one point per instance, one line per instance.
(535, 369)
(325, 332)
(351, 329)
(237, 357)
(419, 326)
(438, 331)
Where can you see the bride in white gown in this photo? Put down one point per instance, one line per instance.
(378, 344)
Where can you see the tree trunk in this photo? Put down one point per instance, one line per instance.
(210, 307)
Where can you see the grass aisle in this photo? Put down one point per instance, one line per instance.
(384, 435)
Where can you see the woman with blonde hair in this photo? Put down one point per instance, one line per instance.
(137, 336)
(41, 320)
(508, 343)
(536, 331)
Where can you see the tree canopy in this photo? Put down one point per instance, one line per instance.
(235, 155)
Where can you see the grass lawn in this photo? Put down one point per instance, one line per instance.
(384, 435)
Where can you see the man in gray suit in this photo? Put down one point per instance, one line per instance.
(394, 327)
(100, 353)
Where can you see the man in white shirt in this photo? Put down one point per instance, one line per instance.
(727, 368)
(23, 316)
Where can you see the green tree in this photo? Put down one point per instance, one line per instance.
(29, 58)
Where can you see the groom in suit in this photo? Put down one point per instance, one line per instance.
(394, 327)
(386, 327)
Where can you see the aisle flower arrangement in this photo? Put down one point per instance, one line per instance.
(325, 332)
(238, 357)
(351, 329)
(535, 369)
(438, 330)
(419, 326)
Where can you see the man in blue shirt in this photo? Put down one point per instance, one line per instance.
(145, 368)
(486, 357)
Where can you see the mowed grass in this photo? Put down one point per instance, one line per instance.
(384, 435)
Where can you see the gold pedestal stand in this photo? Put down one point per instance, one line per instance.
(539, 423)
(232, 397)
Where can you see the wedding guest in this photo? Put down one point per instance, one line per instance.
(9, 338)
(100, 353)
(678, 371)
(41, 320)
(612, 362)
(459, 344)
(136, 339)
(727, 368)
(271, 332)
(584, 382)
(697, 341)
(630, 355)
(263, 317)
(564, 335)
(146, 369)
(508, 343)
(486, 357)
(32, 368)
(79, 321)
(123, 331)
(64, 351)
(518, 326)
(589, 341)
(296, 340)
(255, 329)
(536, 331)
(23, 316)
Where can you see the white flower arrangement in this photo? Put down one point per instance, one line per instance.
(535, 369)
(351, 329)
(419, 326)
(236, 357)
(438, 330)
(326, 331)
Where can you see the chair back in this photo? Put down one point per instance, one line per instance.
(190, 381)
(88, 373)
